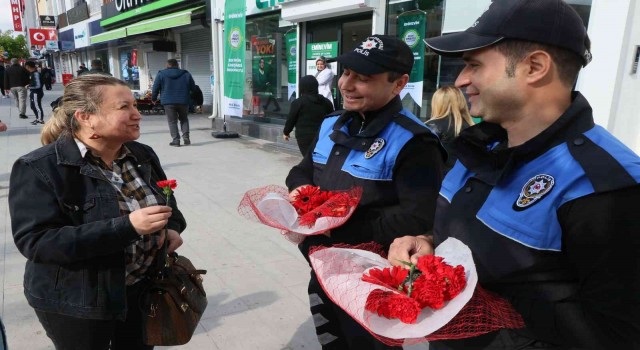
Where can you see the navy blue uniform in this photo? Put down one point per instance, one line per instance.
(398, 162)
(553, 227)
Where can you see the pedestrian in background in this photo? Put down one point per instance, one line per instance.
(82, 69)
(324, 75)
(381, 147)
(449, 116)
(306, 113)
(16, 79)
(96, 68)
(546, 200)
(174, 86)
(88, 215)
(35, 92)
(4, 94)
(47, 78)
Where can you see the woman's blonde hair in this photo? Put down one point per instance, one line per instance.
(449, 101)
(81, 94)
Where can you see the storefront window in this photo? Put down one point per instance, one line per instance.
(443, 71)
(265, 95)
(129, 70)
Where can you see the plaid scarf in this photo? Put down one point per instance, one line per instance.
(133, 193)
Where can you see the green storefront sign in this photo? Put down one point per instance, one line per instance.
(291, 41)
(263, 4)
(411, 29)
(328, 49)
(234, 62)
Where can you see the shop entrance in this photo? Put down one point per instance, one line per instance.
(347, 33)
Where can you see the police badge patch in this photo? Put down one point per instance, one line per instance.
(534, 190)
(376, 146)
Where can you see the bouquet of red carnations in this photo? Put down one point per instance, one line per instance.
(311, 212)
(438, 298)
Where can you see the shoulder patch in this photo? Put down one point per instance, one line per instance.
(534, 190)
(376, 146)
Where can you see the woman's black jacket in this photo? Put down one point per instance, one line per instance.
(66, 221)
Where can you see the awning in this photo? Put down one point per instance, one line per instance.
(175, 19)
(110, 35)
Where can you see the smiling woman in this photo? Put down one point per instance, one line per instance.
(93, 231)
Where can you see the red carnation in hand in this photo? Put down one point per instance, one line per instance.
(167, 187)
(391, 277)
(429, 290)
(172, 184)
(393, 305)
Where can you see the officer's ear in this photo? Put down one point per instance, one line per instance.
(399, 83)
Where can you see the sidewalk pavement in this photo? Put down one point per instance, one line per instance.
(256, 281)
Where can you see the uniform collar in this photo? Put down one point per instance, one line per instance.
(375, 123)
(481, 148)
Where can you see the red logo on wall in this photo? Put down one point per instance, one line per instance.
(16, 15)
(40, 36)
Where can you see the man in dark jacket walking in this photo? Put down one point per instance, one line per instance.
(16, 79)
(175, 86)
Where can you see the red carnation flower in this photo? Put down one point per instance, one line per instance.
(393, 305)
(391, 277)
(172, 184)
(428, 290)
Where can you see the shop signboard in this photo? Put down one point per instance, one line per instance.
(234, 65)
(81, 34)
(51, 45)
(291, 40)
(16, 15)
(411, 29)
(47, 21)
(328, 50)
(263, 4)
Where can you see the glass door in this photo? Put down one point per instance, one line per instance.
(346, 34)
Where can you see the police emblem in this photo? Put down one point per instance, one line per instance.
(534, 190)
(376, 146)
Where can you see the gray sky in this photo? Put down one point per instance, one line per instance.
(5, 15)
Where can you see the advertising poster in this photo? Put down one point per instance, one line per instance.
(234, 47)
(411, 29)
(292, 63)
(130, 72)
(264, 65)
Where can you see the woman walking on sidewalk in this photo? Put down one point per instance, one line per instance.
(35, 92)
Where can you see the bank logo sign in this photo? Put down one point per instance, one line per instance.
(263, 4)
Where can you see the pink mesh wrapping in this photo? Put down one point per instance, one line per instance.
(483, 313)
(248, 208)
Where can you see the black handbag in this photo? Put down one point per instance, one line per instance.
(173, 301)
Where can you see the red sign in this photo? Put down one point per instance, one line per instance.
(40, 36)
(16, 15)
(66, 78)
(134, 57)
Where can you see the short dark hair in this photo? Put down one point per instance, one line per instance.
(96, 63)
(393, 76)
(30, 64)
(172, 62)
(567, 63)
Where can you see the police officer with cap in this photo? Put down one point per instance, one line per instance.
(545, 199)
(376, 144)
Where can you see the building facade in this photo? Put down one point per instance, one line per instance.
(610, 82)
